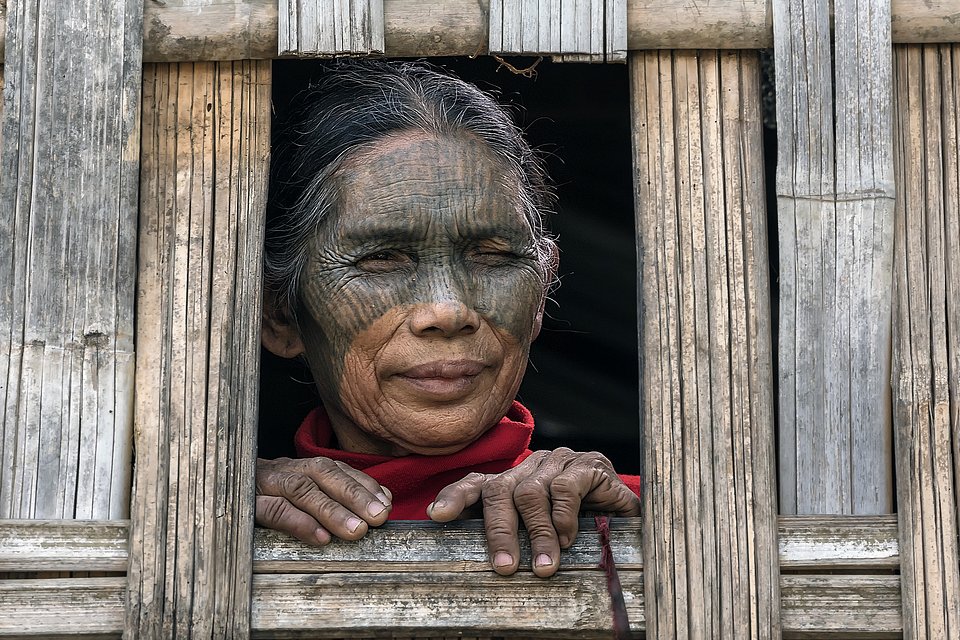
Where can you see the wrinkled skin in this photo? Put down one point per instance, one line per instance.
(420, 299)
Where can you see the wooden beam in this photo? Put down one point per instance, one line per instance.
(195, 30)
(841, 606)
(362, 605)
(835, 211)
(926, 385)
(814, 544)
(710, 538)
(203, 192)
(70, 161)
(418, 555)
(838, 543)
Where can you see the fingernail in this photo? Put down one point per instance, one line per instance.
(564, 542)
(382, 497)
(322, 536)
(502, 559)
(439, 504)
(376, 508)
(353, 523)
(543, 560)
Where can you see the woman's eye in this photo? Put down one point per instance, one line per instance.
(383, 261)
(495, 257)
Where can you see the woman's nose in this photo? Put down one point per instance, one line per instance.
(444, 319)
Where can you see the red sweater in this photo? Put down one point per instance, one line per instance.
(416, 479)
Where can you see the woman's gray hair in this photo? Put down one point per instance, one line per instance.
(354, 105)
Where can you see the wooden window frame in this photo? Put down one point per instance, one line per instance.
(62, 605)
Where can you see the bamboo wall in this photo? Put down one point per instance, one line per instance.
(715, 559)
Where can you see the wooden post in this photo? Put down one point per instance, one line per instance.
(68, 184)
(926, 364)
(835, 207)
(710, 542)
(206, 131)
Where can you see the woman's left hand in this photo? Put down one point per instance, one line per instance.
(548, 490)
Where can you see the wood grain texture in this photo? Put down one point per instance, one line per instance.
(451, 605)
(710, 538)
(926, 363)
(832, 543)
(63, 545)
(835, 211)
(457, 546)
(570, 30)
(206, 131)
(330, 27)
(69, 191)
(194, 30)
(841, 606)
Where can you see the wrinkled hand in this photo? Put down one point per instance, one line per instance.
(548, 490)
(314, 498)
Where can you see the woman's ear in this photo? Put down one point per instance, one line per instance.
(548, 280)
(278, 333)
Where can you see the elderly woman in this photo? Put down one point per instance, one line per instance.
(407, 262)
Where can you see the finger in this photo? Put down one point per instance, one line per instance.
(533, 501)
(278, 513)
(344, 486)
(380, 492)
(590, 483)
(306, 496)
(454, 498)
(500, 522)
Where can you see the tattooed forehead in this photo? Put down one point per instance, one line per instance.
(417, 186)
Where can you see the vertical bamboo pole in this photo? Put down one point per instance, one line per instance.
(710, 550)
(926, 364)
(835, 206)
(206, 132)
(68, 184)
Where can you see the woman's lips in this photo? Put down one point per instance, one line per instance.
(443, 379)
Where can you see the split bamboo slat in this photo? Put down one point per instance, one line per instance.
(206, 133)
(68, 184)
(835, 210)
(707, 390)
(580, 30)
(926, 364)
(203, 30)
(330, 27)
(397, 568)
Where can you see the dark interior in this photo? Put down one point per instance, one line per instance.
(582, 381)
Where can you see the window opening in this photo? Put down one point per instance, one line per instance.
(582, 380)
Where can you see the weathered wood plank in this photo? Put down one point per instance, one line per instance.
(330, 27)
(927, 336)
(842, 606)
(206, 146)
(814, 544)
(710, 547)
(825, 543)
(67, 265)
(64, 545)
(372, 604)
(835, 205)
(62, 608)
(457, 546)
(444, 605)
(570, 30)
(194, 30)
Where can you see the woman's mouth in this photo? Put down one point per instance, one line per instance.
(443, 379)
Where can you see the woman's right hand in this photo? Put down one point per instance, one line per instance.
(315, 498)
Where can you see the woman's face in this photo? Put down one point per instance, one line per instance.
(421, 296)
